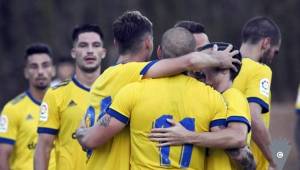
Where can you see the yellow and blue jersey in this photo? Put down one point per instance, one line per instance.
(254, 81)
(61, 111)
(237, 111)
(18, 124)
(115, 154)
(149, 103)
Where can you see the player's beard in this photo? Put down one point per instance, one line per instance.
(41, 86)
(266, 57)
(89, 69)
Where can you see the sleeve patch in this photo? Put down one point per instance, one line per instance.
(3, 123)
(264, 87)
(44, 112)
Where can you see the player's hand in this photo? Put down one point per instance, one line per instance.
(225, 57)
(175, 135)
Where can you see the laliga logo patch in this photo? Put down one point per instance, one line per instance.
(3, 123)
(264, 87)
(44, 112)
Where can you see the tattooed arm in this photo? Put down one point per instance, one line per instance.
(95, 136)
(242, 157)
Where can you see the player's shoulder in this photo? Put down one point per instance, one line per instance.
(255, 66)
(60, 85)
(14, 103)
(233, 92)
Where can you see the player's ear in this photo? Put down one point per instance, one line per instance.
(103, 55)
(53, 71)
(116, 43)
(26, 74)
(148, 42)
(158, 52)
(266, 43)
(73, 53)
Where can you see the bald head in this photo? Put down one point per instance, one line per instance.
(177, 42)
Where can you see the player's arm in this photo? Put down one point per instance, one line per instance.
(261, 135)
(193, 61)
(5, 152)
(43, 150)
(234, 136)
(95, 136)
(243, 157)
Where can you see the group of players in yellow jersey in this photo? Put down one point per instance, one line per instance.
(200, 106)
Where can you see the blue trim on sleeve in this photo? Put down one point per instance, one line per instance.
(7, 141)
(147, 67)
(264, 105)
(118, 116)
(32, 98)
(298, 111)
(74, 79)
(238, 119)
(217, 122)
(47, 130)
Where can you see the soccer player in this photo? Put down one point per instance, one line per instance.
(149, 103)
(20, 116)
(237, 119)
(134, 46)
(261, 40)
(64, 70)
(64, 105)
(197, 29)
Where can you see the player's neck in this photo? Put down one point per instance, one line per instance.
(136, 57)
(36, 93)
(224, 85)
(250, 51)
(85, 78)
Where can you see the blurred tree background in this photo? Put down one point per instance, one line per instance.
(51, 21)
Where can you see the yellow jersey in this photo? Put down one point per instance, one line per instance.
(61, 111)
(149, 103)
(115, 154)
(237, 111)
(18, 124)
(254, 81)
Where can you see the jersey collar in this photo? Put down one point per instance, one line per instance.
(32, 98)
(77, 83)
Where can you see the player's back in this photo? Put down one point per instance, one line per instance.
(115, 153)
(181, 98)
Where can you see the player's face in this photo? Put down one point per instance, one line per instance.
(269, 54)
(88, 52)
(39, 71)
(201, 39)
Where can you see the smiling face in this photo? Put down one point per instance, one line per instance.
(39, 70)
(88, 51)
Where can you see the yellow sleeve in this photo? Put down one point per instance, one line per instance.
(123, 103)
(219, 110)
(49, 114)
(237, 107)
(258, 89)
(8, 125)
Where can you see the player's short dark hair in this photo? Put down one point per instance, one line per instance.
(37, 48)
(86, 28)
(260, 27)
(192, 26)
(223, 46)
(177, 42)
(129, 31)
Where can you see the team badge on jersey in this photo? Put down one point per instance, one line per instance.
(44, 112)
(3, 123)
(264, 87)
